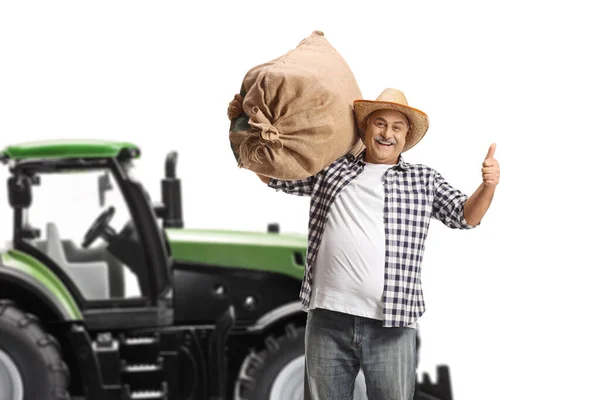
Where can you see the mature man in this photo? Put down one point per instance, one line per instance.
(369, 218)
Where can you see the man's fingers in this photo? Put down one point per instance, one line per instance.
(492, 162)
(235, 103)
(489, 170)
(491, 151)
(235, 107)
(234, 110)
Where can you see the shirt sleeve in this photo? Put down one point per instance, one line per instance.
(302, 187)
(448, 204)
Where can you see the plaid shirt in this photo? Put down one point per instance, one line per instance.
(413, 194)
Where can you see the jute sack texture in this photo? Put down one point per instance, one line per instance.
(298, 116)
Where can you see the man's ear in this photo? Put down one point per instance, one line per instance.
(408, 131)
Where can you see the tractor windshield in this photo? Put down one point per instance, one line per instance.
(86, 229)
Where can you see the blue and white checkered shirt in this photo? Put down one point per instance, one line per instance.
(413, 194)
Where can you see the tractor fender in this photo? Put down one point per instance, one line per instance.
(277, 314)
(28, 274)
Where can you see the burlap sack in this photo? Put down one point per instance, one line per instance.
(298, 112)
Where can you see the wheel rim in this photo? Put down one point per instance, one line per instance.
(289, 383)
(10, 379)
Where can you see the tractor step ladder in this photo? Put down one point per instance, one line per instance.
(143, 368)
(148, 394)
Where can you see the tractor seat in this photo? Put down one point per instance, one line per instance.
(90, 277)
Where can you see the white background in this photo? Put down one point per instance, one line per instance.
(512, 305)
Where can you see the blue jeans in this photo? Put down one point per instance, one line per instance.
(338, 345)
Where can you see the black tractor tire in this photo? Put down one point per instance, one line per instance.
(441, 390)
(259, 370)
(35, 353)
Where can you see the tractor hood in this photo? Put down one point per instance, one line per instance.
(269, 252)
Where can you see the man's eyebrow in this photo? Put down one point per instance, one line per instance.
(395, 122)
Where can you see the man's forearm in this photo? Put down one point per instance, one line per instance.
(478, 204)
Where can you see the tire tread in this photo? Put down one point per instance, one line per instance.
(46, 344)
(254, 364)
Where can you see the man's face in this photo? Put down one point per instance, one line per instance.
(385, 135)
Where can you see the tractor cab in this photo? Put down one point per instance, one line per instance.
(79, 210)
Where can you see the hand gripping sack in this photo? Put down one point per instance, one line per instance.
(298, 114)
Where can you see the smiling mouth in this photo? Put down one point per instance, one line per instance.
(384, 143)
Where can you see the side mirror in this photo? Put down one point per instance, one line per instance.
(104, 186)
(19, 191)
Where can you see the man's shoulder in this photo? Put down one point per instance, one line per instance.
(420, 169)
(346, 159)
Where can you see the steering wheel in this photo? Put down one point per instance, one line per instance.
(100, 227)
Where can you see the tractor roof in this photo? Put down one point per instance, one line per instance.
(68, 149)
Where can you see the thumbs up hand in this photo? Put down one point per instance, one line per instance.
(491, 169)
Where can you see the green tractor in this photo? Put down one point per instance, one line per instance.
(104, 295)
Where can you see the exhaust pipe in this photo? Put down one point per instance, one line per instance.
(171, 194)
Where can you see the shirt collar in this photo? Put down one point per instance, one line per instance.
(401, 164)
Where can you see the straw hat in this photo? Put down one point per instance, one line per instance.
(393, 99)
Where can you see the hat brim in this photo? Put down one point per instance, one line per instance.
(419, 122)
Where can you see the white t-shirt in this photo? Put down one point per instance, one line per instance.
(350, 266)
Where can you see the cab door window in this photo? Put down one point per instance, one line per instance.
(86, 229)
